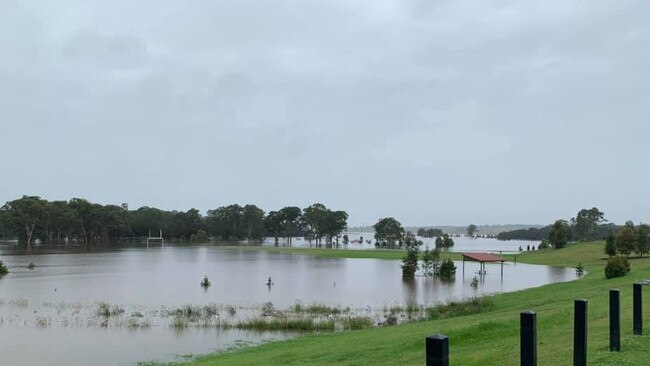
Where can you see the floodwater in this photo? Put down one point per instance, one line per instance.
(40, 321)
(461, 243)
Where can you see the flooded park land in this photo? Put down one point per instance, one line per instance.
(148, 305)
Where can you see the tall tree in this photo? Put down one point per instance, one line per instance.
(24, 215)
(334, 223)
(389, 231)
(410, 261)
(444, 241)
(228, 221)
(643, 240)
(61, 220)
(314, 219)
(626, 239)
(291, 220)
(472, 230)
(273, 225)
(610, 244)
(84, 212)
(586, 222)
(253, 222)
(558, 236)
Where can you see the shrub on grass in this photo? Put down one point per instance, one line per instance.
(544, 244)
(617, 267)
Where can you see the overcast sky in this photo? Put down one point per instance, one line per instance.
(434, 112)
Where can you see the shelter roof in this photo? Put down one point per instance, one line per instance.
(483, 257)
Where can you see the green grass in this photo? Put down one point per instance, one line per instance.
(487, 338)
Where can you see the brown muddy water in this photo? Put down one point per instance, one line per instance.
(121, 307)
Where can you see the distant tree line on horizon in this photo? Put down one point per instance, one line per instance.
(30, 218)
(588, 224)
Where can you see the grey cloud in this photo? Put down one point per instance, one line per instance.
(434, 112)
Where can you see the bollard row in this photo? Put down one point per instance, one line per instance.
(437, 346)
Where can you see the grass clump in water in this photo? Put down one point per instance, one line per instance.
(322, 309)
(357, 323)
(302, 325)
(268, 309)
(206, 282)
(106, 310)
(452, 309)
(297, 307)
(3, 269)
(231, 310)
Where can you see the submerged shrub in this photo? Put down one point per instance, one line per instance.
(3, 269)
(322, 309)
(357, 323)
(268, 309)
(474, 283)
(297, 307)
(286, 324)
(231, 310)
(107, 310)
(447, 269)
(206, 282)
(617, 267)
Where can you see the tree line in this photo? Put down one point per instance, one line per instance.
(628, 239)
(30, 218)
(588, 224)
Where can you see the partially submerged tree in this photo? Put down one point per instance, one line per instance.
(227, 221)
(389, 232)
(430, 262)
(291, 221)
(23, 216)
(472, 230)
(3, 269)
(273, 225)
(253, 223)
(410, 261)
(444, 241)
(447, 269)
(314, 219)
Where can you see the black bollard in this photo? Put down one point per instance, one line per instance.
(614, 320)
(438, 350)
(638, 309)
(528, 338)
(580, 333)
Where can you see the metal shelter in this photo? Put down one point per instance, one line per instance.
(482, 258)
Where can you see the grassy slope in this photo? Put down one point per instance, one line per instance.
(484, 339)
